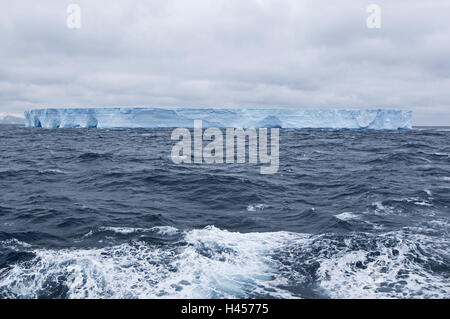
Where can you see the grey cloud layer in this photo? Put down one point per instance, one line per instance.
(230, 53)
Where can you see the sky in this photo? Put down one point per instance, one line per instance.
(227, 53)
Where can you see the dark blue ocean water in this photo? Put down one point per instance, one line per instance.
(105, 213)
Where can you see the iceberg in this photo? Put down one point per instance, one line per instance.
(10, 119)
(220, 118)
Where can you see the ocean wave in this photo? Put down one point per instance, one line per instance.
(212, 264)
(14, 243)
(346, 216)
(215, 263)
(162, 230)
(396, 265)
(256, 207)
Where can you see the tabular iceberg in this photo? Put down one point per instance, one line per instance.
(221, 118)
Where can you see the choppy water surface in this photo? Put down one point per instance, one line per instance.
(105, 213)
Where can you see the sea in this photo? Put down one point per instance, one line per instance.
(105, 213)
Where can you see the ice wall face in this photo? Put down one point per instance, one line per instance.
(238, 118)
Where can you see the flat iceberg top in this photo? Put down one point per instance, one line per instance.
(220, 118)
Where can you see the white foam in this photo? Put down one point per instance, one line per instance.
(439, 224)
(162, 230)
(442, 154)
(165, 230)
(418, 201)
(256, 207)
(14, 244)
(388, 271)
(382, 210)
(346, 216)
(122, 230)
(214, 263)
(54, 171)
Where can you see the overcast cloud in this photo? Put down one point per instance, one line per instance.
(227, 53)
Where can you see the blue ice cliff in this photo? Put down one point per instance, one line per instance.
(238, 118)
